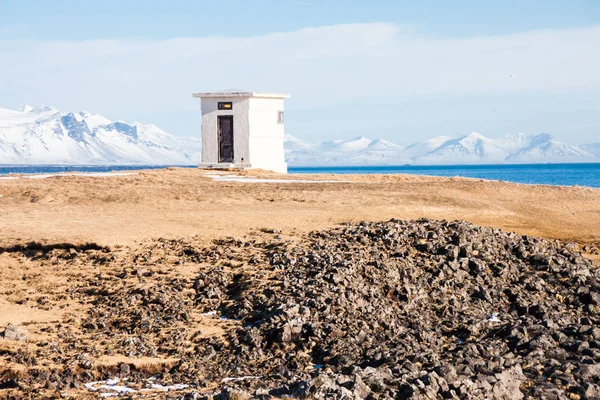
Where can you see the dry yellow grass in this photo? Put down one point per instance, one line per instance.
(179, 202)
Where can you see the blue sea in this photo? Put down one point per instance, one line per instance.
(546, 174)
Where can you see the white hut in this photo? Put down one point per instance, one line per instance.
(242, 130)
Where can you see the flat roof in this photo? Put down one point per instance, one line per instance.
(241, 94)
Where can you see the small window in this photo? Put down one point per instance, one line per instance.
(280, 117)
(225, 105)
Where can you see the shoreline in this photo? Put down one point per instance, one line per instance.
(528, 174)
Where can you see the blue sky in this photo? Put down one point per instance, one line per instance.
(400, 70)
(160, 19)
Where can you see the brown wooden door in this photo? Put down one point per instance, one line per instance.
(225, 128)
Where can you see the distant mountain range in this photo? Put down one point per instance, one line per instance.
(45, 135)
(443, 150)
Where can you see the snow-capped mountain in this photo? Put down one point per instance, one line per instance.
(593, 148)
(420, 148)
(543, 148)
(474, 148)
(356, 151)
(45, 135)
(470, 149)
(379, 151)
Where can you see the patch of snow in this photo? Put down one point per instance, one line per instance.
(82, 174)
(169, 388)
(105, 174)
(494, 318)
(118, 387)
(93, 120)
(91, 385)
(242, 378)
(40, 176)
(243, 179)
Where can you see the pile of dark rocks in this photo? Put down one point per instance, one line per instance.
(406, 309)
(375, 310)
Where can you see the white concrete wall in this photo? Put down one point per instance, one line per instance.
(266, 135)
(210, 135)
(257, 135)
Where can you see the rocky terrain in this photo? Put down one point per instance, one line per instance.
(400, 309)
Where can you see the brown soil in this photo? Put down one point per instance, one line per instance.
(124, 211)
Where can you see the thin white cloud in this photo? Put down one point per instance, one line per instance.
(319, 66)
